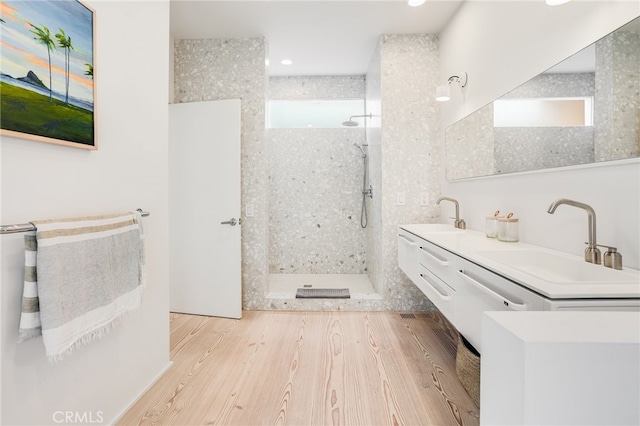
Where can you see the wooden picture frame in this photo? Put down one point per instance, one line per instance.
(47, 73)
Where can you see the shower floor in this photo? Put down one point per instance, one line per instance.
(284, 286)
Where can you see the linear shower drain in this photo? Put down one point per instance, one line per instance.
(323, 293)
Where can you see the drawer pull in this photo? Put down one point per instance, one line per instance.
(505, 301)
(443, 296)
(407, 239)
(434, 258)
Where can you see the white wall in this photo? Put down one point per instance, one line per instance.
(128, 171)
(524, 39)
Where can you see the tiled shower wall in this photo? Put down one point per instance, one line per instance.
(317, 87)
(405, 155)
(214, 69)
(315, 184)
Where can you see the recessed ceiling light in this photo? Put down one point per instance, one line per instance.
(415, 3)
(556, 2)
(286, 62)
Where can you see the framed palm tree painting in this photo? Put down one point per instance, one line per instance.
(47, 85)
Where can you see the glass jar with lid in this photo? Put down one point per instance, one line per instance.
(508, 228)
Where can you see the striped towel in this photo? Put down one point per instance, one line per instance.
(81, 276)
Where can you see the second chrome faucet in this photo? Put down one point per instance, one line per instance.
(458, 223)
(612, 259)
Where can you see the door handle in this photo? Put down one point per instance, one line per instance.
(232, 222)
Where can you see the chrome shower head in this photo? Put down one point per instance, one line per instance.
(352, 123)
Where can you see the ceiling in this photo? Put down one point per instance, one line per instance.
(329, 37)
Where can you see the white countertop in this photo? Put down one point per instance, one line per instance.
(471, 244)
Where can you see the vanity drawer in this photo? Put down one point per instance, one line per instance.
(443, 296)
(408, 253)
(480, 290)
(437, 260)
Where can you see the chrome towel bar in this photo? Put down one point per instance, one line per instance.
(26, 227)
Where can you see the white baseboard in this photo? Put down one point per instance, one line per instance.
(141, 394)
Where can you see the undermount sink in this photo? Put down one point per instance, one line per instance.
(435, 228)
(558, 268)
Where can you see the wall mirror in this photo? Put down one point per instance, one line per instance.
(584, 110)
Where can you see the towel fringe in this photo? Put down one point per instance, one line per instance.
(96, 334)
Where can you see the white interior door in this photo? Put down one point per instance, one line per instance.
(204, 191)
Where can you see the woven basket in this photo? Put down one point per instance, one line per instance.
(468, 369)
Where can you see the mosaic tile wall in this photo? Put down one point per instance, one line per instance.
(315, 181)
(617, 96)
(409, 153)
(317, 87)
(230, 69)
(315, 184)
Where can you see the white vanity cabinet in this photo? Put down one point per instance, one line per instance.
(461, 290)
(408, 254)
(436, 268)
(449, 267)
(438, 260)
(439, 292)
(429, 267)
(479, 291)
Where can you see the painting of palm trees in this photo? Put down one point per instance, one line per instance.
(47, 81)
(64, 42)
(44, 37)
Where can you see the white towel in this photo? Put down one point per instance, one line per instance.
(87, 274)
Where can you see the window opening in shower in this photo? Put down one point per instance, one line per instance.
(323, 114)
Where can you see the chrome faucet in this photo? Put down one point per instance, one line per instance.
(458, 223)
(591, 253)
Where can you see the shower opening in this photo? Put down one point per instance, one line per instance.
(318, 192)
(284, 286)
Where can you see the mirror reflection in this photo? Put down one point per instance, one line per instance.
(584, 110)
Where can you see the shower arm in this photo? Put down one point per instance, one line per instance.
(370, 115)
(351, 123)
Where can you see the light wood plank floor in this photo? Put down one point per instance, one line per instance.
(309, 368)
